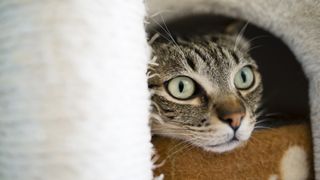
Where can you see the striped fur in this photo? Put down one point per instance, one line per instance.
(212, 62)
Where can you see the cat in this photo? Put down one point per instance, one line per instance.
(205, 89)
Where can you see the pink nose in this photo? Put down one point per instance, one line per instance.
(233, 119)
(231, 110)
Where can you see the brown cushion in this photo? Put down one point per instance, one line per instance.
(262, 158)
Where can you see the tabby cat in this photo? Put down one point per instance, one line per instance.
(205, 89)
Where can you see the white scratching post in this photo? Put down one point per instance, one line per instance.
(73, 93)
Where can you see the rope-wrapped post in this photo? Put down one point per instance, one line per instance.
(73, 93)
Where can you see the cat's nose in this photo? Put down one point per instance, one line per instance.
(234, 119)
(231, 111)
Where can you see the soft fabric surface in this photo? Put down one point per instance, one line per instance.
(283, 153)
(73, 94)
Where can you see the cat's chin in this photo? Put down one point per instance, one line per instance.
(224, 147)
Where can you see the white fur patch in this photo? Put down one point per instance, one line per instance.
(294, 165)
(273, 177)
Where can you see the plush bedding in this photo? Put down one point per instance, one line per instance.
(283, 152)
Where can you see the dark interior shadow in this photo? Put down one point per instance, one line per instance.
(285, 85)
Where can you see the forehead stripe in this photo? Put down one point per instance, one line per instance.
(198, 51)
(235, 57)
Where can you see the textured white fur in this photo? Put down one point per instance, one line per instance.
(73, 93)
(296, 22)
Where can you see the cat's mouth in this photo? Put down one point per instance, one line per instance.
(223, 147)
(233, 140)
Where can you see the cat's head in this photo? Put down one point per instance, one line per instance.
(205, 90)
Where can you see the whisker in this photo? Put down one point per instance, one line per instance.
(169, 133)
(239, 36)
(157, 32)
(181, 143)
(189, 148)
(260, 111)
(195, 128)
(273, 114)
(263, 121)
(258, 37)
(262, 127)
(175, 128)
(159, 13)
(186, 145)
(254, 47)
(166, 30)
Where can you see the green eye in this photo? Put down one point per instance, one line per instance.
(181, 87)
(244, 78)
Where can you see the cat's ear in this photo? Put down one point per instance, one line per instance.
(235, 39)
(235, 27)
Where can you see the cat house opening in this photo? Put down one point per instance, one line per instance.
(285, 85)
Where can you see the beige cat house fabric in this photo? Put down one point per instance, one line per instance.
(74, 102)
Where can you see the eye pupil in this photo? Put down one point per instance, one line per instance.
(181, 86)
(243, 76)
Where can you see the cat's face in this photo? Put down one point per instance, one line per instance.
(204, 91)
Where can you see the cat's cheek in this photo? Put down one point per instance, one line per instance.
(244, 132)
(243, 136)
